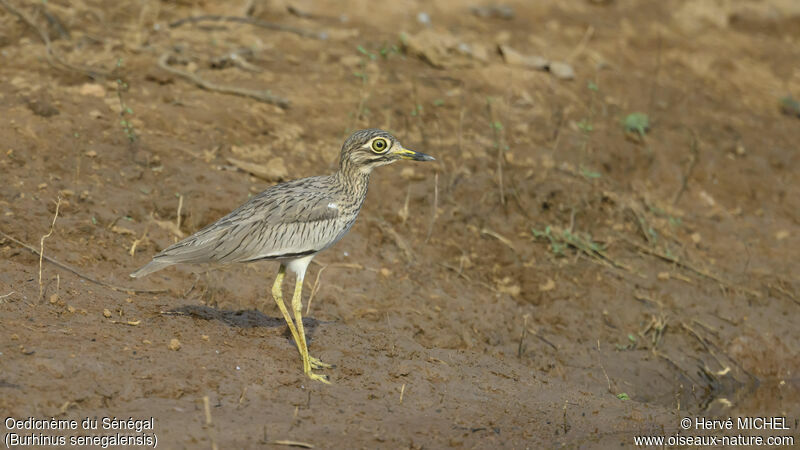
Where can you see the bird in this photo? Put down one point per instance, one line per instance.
(290, 223)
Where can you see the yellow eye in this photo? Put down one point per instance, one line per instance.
(379, 145)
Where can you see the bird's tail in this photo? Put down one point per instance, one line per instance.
(153, 266)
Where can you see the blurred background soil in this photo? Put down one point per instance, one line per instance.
(607, 242)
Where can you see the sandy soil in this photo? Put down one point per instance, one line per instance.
(553, 279)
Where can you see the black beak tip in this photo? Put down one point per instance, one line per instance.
(424, 157)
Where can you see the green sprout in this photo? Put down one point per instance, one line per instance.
(637, 122)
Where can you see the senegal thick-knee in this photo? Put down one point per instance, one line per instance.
(291, 222)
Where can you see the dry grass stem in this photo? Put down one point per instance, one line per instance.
(435, 211)
(208, 424)
(314, 289)
(499, 237)
(41, 247)
(178, 214)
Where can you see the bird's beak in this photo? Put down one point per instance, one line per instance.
(416, 156)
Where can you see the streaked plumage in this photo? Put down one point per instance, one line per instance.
(291, 222)
(288, 220)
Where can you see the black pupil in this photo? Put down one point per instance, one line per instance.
(380, 144)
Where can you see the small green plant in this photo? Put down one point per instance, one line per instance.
(388, 49)
(367, 53)
(417, 111)
(586, 126)
(623, 396)
(790, 106)
(438, 102)
(636, 123)
(556, 245)
(125, 112)
(631, 343)
(590, 173)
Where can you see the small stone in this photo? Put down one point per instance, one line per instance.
(562, 71)
(424, 18)
(663, 276)
(385, 272)
(513, 57)
(174, 344)
(106, 313)
(549, 285)
(695, 238)
(781, 235)
(92, 89)
(91, 153)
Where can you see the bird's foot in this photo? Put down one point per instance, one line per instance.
(316, 377)
(317, 364)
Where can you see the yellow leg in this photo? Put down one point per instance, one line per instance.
(298, 319)
(278, 294)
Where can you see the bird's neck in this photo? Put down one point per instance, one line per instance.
(354, 180)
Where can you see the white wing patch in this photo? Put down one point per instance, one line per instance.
(332, 205)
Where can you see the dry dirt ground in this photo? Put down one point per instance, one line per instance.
(553, 279)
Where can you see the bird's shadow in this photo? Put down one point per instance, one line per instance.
(247, 318)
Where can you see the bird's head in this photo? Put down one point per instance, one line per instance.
(367, 149)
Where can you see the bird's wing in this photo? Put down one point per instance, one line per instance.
(290, 219)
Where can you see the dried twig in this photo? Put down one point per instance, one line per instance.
(5, 296)
(499, 237)
(264, 96)
(79, 274)
(293, 443)
(321, 35)
(691, 267)
(53, 20)
(542, 338)
(52, 57)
